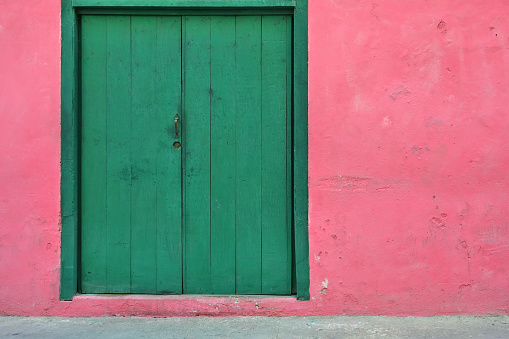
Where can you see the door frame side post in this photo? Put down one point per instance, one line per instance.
(69, 153)
(300, 148)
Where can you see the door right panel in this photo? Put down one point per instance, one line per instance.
(237, 165)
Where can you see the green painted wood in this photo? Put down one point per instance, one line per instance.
(276, 247)
(69, 154)
(143, 162)
(169, 196)
(289, 150)
(183, 119)
(197, 154)
(93, 155)
(248, 155)
(184, 3)
(300, 148)
(131, 173)
(118, 154)
(222, 149)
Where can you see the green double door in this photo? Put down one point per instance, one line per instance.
(185, 163)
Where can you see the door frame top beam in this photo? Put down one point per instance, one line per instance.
(186, 3)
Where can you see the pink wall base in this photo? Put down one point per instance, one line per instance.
(408, 165)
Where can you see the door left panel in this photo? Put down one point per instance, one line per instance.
(130, 180)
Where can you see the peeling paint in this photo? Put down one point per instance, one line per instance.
(325, 285)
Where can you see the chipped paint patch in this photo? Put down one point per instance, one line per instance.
(325, 285)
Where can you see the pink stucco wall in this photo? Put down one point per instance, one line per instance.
(408, 164)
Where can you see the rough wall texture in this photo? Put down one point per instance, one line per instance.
(29, 155)
(408, 164)
(409, 155)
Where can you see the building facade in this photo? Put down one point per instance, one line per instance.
(407, 163)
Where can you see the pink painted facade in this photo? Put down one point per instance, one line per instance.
(408, 165)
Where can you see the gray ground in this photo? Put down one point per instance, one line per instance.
(257, 327)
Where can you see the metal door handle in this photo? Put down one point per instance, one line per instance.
(177, 117)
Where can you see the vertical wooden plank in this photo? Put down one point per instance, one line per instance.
(93, 155)
(118, 153)
(248, 154)
(143, 148)
(276, 249)
(289, 146)
(222, 150)
(197, 153)
(183, 147)
(169, 198)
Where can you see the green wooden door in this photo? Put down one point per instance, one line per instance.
(212, 216)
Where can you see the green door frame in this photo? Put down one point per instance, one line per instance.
(71, 9)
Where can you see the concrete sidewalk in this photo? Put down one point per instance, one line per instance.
(257, 327)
